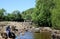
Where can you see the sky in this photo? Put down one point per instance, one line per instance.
(21, 5)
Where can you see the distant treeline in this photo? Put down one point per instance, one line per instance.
(14, 16)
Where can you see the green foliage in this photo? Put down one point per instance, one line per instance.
(14, 16)
(42, 14)
(56, 15)
(2, 13)
(27, 14)
(17, 16)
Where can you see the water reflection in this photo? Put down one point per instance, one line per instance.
(27, 35)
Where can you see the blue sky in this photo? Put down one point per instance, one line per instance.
(21, 5)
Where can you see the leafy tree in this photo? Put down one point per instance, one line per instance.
(2, 14)
(18, 16)
(56, 15)
(10, 17)
(27, 14)
(14, 16)
(42, 14)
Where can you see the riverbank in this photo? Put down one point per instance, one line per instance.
(28, 26)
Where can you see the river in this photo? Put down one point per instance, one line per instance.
(29, 35)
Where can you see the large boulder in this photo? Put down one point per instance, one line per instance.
(37, 29)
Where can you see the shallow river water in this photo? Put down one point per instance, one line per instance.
(29, 35)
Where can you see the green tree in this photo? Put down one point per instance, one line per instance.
(10, 17)
(17, 15)
(56, 15)
(2, 11)
(27, 14)
(42, 14)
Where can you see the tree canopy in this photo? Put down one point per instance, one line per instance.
(42, 14)
(56, 15)
(14, 16)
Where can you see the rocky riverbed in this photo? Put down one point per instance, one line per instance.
(21, 25)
